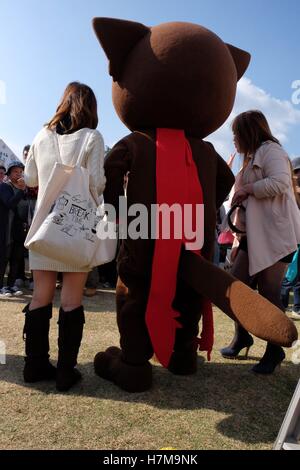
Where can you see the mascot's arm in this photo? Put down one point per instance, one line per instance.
(117, 164)
(255, 313)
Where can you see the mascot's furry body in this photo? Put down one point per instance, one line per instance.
(173, 84)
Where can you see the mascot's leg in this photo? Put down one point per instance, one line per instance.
(129, 367)
(184, 358)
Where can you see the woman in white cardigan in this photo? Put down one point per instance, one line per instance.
(264, 187)
(75, 116)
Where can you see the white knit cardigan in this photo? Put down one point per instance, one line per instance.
(40, 162)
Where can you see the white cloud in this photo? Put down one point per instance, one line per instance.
(281, 115)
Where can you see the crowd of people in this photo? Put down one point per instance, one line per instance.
(266, 202)
(17, 204)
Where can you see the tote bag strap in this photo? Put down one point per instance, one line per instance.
(82, 145)
(83, 148)
(56, 145)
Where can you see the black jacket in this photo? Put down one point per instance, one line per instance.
(11, 225)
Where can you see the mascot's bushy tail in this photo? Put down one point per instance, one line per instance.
(242, 304)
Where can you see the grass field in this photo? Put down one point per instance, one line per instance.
(223, 406)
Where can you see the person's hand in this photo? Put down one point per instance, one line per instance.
(248, 188)
(230, 160)
(20, 184)
(239, 196)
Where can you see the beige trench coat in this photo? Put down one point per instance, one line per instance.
(272, 214)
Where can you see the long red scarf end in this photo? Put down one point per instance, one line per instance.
(177, 182)
(206, 341)
(166, 329)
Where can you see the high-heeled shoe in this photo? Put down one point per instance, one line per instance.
(241, 340)
(273, 357)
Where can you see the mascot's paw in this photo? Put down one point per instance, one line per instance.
(103, 361)
(131, 378)
(183, 362)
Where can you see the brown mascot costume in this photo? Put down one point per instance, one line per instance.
(173, 84)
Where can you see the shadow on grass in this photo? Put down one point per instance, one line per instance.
(255, 405)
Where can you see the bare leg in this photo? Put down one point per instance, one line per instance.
(72, 290)
(44, 288)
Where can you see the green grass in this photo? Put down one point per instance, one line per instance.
(223, 406)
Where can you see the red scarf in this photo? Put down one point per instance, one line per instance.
(176, 182)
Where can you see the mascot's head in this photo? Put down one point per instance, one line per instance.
(174, 75)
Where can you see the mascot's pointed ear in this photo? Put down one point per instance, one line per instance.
(241, 59)
(118, 37)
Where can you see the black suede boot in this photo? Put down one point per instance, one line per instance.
(241, 340)
(36, 335)
(273, 357)
(69, 338)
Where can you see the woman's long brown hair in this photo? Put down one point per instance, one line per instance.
(251, 129)
(76, 110)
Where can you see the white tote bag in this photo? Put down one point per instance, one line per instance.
(66, 222)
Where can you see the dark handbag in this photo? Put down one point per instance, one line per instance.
(233, 227)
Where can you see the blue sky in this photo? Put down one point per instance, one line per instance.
(46, 44)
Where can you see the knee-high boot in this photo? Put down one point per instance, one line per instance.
(70, 328)
(36, 336)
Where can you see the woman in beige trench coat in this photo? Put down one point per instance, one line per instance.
(272, 223)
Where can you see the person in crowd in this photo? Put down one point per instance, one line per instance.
(2, 173)
(272, 225)
(293, 284)
(75, 116)
(12, 233)
(27, 211)
(26, 152)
